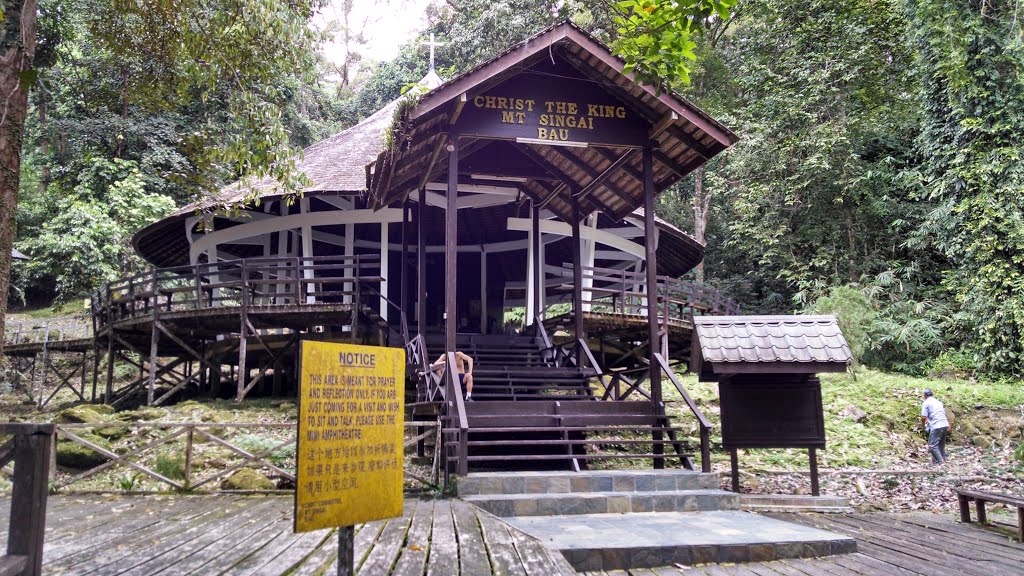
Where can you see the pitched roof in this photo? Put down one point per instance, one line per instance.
(770, 343)
(612, 176)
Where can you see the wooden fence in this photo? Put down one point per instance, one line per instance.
(168, 456)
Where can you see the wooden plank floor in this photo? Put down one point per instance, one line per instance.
(888, 545)
(240, 535)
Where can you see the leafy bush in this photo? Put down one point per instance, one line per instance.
(256, 444)
(951, 364)
(170, 465)
(857, 319)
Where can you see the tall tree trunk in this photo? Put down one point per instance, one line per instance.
(701, 209)
(16, 52)
(44, 146)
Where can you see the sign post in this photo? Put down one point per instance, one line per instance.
(350, 440)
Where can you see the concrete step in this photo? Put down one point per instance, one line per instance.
(561, 504)
(596, 542)
(495, 483)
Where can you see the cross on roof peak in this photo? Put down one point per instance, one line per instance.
(432, 44)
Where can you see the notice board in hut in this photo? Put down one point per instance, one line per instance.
(760, 412)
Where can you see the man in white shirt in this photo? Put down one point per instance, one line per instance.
(933, 417)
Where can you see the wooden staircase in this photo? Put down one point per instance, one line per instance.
(527, 414)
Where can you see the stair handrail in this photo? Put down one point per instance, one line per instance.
(401, 313)
(454, 399)
(705, 426)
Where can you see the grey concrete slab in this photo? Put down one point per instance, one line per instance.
(643, 540)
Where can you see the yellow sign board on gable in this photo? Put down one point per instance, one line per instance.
(350, 442)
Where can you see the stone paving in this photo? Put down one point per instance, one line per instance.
(620, 541)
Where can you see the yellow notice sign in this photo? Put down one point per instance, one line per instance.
(350, 451)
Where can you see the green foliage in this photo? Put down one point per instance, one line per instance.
(856, 318)
(128, 481)
(656, 37)
(170, 465)
(951, 364)
(256, 444)
(971, 65)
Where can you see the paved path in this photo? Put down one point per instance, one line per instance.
(888, 545)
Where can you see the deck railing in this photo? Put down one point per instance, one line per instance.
(74, 328)
(29, 448)
(622, 292)
(169, 456)
(259, 282)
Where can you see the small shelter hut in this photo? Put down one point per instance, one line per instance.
(766, 368)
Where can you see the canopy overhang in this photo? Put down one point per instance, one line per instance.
(582, 147)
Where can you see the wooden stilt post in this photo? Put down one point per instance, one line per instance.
(95, 368)
(154, 340)
(538, 266)
(242, 372)
(734, 462)
(451, 245)
(110, 367)
(577, 280)
(42, 365)
(403, 263)
(421, 263)
(812, 454)
(652, 295)
(85, 362)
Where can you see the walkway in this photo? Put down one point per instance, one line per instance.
(253, 535)
(177, 535)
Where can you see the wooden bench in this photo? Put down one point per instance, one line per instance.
(980, 498)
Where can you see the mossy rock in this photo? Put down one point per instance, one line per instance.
(106, 409)
(247, 479)
(287, 407)
(73, 455)
(981, 441)
(79, 415)
(191, 405)
(112, 432)
(142, 414)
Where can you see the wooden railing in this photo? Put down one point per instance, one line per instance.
(705, 426)
(169, 460)
(620, 292)
(29, 448)
(292, 281)
(74, 328)
(455, 409)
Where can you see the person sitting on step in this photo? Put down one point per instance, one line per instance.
(464, 368)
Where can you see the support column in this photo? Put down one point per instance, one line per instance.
(577, 277)
(403, 268)
(350, 247)
(307, 252)
(242, 331)
(385, 257)
(451, 243)
(483, 290)
(652, 294)
(537, 273)
(421, 263)
(589, 248)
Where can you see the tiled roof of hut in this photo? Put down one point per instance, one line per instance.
(736, 344)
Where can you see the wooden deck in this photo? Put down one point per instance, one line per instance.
(253, 535)
(230, 534)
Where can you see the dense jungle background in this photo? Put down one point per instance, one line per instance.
(879, 176)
